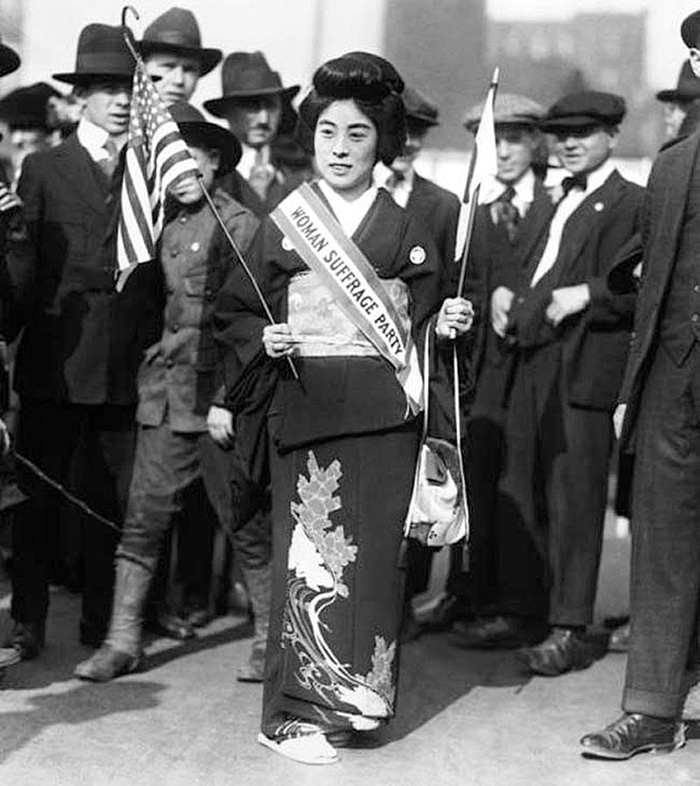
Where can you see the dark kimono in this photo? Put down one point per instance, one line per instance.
(342, 457)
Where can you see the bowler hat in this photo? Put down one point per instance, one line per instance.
(418, 108)
(9, 60)
(687, 89)
(196, 130)
(102, 54)
(509, 109)
(247, 75)
(177, 32)
(27, 107)
(589, 108)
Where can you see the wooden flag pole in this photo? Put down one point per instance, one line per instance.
(473, 199)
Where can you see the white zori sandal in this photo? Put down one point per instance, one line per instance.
(301, 741)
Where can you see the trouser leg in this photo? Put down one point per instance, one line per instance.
(665, 574)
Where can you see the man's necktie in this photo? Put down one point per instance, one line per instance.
(261, 175)
(109, 163)
(507, 214)
(574, 181)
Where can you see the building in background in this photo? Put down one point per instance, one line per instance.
(548, 58)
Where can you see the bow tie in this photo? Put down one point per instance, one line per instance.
(574, 181)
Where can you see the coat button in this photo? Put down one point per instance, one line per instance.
(169, 362)
(175, 328)
(174, 252)
(695, 317)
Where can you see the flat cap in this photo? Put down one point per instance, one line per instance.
(509, 109)
(418, 108)
(585, 109)
(690, 30)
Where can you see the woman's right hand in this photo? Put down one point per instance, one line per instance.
(277, 340)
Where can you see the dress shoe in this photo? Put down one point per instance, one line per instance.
(172, 626)
(254, 669)
(441, 616)
(501, 632)
(565, 649)
(620, 639)
(198, 618)
(633, 733)
(28, 638)
(106, 664)
(9, 656)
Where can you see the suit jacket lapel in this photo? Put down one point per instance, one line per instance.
(79, 169)
(534, 225)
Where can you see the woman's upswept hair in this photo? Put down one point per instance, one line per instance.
(373, 84)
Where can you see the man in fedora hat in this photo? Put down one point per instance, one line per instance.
(252, 102)
(678, 102)
(9, 62)
(81, 342)
(173, 54)
(660, 429)
(177, 383)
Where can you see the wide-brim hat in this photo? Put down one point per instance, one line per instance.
(9, 60)
(247, 75)
(196, 130)
(27, 107)
(177, 32)
(589, 108)
(419, 110)
(687, 88)
(102, 54)
(509, 109)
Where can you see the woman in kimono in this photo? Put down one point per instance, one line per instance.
(344, 436)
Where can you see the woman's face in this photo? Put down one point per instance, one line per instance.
(345, 144)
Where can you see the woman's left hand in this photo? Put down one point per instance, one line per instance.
(455, 318)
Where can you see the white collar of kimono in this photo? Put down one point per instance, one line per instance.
(349, 214)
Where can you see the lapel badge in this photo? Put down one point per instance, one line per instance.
(416, 256)
(195, 246)
(287, 244)
(598, 207)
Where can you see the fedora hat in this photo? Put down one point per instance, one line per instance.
(9, 60)
(102, 54)
(196, 131)
(28, 107)
(247, 75)
(177, 32)
(687, 88)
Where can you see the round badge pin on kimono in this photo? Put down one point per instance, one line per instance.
(416, 256)
(287, 244)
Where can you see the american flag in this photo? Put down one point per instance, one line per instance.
(156, 158)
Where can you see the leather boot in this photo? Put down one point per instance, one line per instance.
(121, 652)
(259, 581)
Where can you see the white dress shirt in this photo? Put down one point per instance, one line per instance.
(400, 190)
(566, 207)
(93, 139)
(349, 214)
(524, 193)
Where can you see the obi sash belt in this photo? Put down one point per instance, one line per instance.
(321, 242)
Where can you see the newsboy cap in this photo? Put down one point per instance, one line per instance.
(690, 30)
(589, 108)
(509, 109)
(418, 108)
(687, 87)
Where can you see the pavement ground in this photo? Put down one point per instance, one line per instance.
(464, 717)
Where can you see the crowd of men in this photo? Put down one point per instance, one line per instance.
(586, 298)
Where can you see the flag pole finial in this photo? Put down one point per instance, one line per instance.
(126, 30)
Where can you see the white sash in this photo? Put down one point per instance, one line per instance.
(321, 242)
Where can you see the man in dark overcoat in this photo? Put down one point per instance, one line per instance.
(571, 336)
(661, 427)
(505, 580)
(81, 342)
